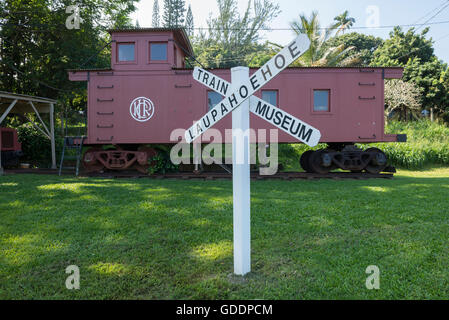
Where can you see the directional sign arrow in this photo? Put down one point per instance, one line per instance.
(274, 115)
(245, 90)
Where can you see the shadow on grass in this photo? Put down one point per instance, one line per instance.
(173, 239)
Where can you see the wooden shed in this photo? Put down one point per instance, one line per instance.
(11, 103)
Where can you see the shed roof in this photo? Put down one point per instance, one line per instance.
(23, 103)
(13, 103)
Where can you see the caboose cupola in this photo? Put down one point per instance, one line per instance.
(149, 48)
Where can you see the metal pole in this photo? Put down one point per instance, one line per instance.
(1, 144)
(241, 179)
(52, 135)
(1, 120)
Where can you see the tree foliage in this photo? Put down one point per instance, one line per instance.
(317, 55)
(232, 39)
(156, 18)
(344, 21)
(364, 46)
(173, 16)
(189, 22)
(416, 54)
(37, 48)
(403, 98)
(401, 46)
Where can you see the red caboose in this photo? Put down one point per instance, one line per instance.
(11, 148)
(148, 92)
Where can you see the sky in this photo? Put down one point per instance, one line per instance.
(369, 15)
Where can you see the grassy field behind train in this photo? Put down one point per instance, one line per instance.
(427, 146)
(152, 239)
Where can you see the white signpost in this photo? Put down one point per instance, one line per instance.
(239, 100)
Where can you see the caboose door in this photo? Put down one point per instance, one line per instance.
(370, 107)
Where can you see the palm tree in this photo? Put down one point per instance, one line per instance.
(317, 56)
(344, 21)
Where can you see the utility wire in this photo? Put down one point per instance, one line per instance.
(411, 52)
(95, 54)
(188, 53)
(261, 29)
(429, 13)
(352, 28)
(243, 57)
(431, 18)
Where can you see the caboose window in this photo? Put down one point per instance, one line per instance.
(270, 96)
(213, 99)
(321, 100)
(126, 52)
(158, 52)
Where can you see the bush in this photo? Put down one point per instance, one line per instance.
(161, 163)
(427, 144)
(36, 147)
(289, 155)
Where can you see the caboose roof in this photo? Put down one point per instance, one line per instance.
(180, 32)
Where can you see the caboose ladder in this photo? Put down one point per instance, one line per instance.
(72, 143)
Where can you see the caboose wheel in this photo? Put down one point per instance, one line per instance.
(151, 153)
(90, 163)
(321, 162)
(304, 161)
(378, 162)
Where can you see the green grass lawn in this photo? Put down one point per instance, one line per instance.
(152, 239)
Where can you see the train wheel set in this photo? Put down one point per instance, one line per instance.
(117, 158)
(349, 158)
(323, 161)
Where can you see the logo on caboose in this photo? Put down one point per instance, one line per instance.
(141, 109)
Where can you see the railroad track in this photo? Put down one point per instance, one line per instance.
(254, 176)
(212, 175)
